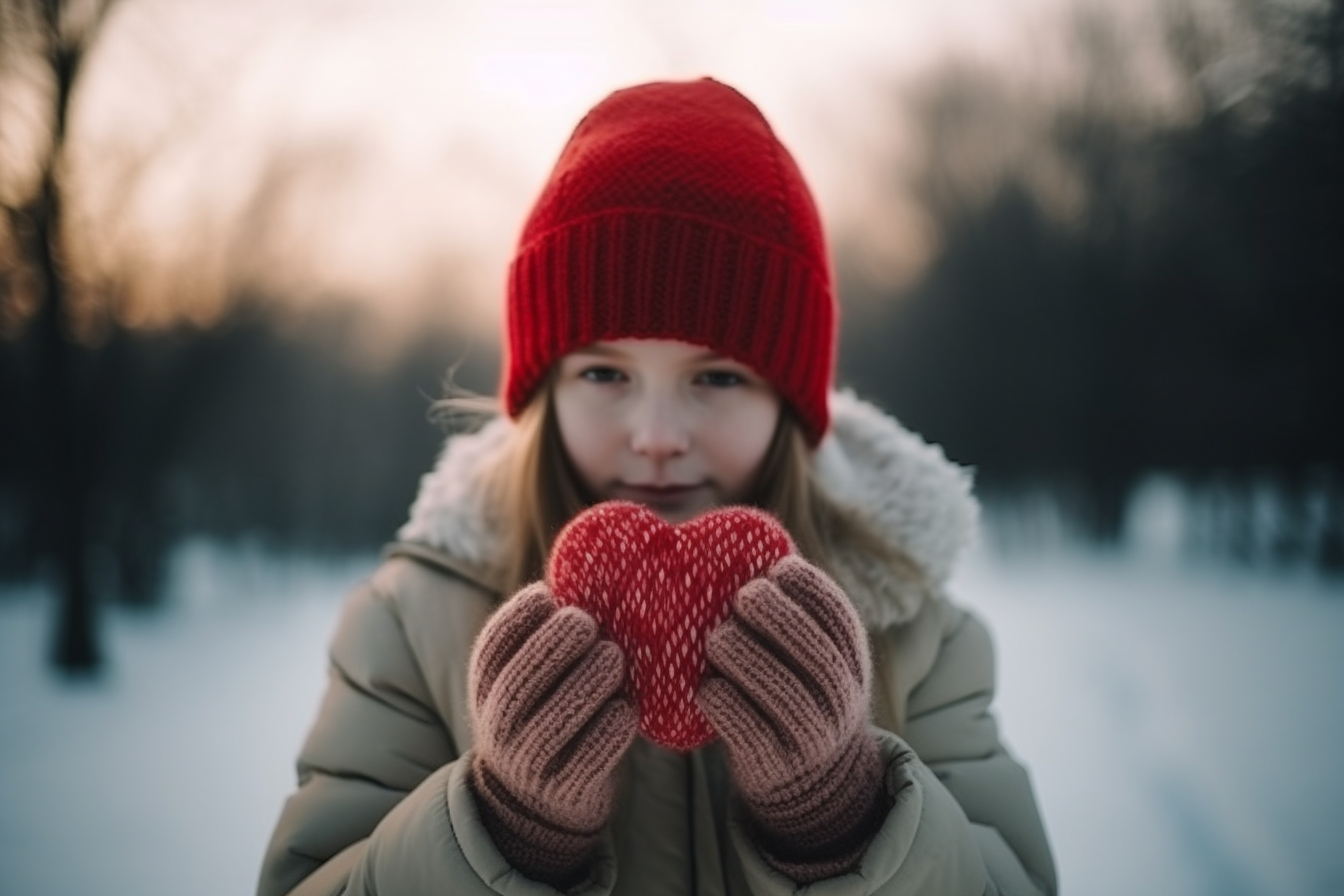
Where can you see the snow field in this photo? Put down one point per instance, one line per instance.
(1181, 724)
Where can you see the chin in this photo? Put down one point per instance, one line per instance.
(673, 517)
(671, 508)
(680, 513)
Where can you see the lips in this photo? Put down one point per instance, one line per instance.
(659, 497)
(657, 490)
(653, 488)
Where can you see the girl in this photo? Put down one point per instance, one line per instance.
(670, 341)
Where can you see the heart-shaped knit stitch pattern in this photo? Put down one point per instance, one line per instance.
(658, 590)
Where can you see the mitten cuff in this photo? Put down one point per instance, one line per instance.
(823, 830)
(557, 856)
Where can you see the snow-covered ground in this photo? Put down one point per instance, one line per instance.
(1183, 725)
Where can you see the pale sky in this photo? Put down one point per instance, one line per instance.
(388, 152)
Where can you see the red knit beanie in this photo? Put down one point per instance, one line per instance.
(675, 213)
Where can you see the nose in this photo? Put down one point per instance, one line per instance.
(658, 429)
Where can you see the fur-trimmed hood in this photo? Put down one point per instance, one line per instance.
(905, 488)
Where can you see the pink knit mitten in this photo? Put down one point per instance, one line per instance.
(550, 725)
(790, 699)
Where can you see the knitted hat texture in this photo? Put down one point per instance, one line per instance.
(674, 212)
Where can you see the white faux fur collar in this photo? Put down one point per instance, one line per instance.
(904, 487)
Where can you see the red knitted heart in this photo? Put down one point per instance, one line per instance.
(657, 590)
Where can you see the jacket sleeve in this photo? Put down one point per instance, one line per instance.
(951, 728)
(964, 819)
(371, 812)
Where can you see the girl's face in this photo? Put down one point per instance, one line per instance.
(667, 424)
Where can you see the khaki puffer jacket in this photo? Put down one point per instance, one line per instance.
(383, 805)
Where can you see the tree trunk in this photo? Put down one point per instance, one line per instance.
(63, 456)
(62, 460)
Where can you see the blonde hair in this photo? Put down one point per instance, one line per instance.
(538, 492)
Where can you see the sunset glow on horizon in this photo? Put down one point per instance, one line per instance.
(324, 150)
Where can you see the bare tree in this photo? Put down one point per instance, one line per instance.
(43, 44)
(1129, 283)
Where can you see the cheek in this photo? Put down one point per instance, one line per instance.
(585, 435)
(741, 448)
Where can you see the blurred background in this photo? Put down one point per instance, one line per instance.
(1092, 247)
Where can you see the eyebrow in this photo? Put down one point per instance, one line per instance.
(606, 351)
(598, 350)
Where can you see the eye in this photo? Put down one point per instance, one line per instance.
(600, 374)
(720, 379)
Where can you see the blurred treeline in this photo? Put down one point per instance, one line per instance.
(255, 428)
(1120, 293)
(1116, 292)
(118, 441)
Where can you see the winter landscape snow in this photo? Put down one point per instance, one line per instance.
(1182, 723)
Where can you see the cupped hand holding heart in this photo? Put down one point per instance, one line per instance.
(658, 590)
